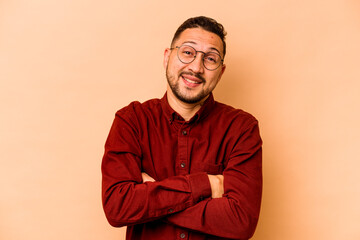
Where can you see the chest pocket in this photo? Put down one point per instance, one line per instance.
(209, 168)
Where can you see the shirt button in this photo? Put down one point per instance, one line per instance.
(171, 210)
(182, 165)
(182, 235)
(184, 133)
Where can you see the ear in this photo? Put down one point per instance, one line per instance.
(223, 67)
(167, 53)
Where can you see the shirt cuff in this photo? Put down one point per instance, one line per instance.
(200, 186)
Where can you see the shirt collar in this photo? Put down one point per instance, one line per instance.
(205, 109)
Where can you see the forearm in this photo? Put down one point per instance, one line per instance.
(222, 217)
(130, 202)
(235, 215)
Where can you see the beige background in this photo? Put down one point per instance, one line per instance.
(67, 66)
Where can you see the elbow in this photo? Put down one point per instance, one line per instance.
(243, 228)
(115, 223)
(115, 220)
(247, 224)
(114, 207)
(248, 228)
(121, 209)
(244, 221)
(122, 217)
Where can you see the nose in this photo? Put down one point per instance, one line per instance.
(197, 65)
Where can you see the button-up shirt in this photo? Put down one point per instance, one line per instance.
(151, 137)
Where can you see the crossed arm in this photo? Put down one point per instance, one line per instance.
(224, 205)
(232, 211)
(216, 183)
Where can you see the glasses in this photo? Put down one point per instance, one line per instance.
(187, 54)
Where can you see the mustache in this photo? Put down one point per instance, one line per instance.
(194, 75)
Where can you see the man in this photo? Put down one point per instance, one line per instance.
(185, 166)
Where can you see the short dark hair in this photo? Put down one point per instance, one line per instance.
(205, 23)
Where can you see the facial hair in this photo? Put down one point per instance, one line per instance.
(175, 88)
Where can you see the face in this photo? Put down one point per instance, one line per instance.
(192, 82)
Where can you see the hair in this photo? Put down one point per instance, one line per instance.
(205, 23)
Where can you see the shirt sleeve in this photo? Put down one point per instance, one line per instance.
(235, 215)
(128, 201)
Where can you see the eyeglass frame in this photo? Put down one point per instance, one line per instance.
(196, 52)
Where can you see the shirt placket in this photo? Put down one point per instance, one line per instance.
(182, 167)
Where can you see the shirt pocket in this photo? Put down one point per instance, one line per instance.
(209, 168)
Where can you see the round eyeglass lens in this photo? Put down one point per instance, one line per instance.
(212, 60)
(187, 54)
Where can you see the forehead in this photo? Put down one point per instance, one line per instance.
(201, 39)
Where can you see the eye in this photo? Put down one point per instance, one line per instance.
(188, 53)
(211, 58)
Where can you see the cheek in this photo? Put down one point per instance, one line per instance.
(214, 79)
(176, 68)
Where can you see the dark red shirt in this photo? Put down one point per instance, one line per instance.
(152, 138)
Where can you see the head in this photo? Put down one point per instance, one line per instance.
(193, 81)
(205, 23)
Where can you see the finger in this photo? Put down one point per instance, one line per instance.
(146, 178)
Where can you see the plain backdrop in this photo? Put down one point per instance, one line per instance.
(67, 66)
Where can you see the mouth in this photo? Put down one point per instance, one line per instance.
(192, 81)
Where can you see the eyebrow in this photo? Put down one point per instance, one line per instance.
(212, 48)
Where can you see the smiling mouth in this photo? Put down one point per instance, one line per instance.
(191, 81)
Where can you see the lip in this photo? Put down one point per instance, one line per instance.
(191, 81)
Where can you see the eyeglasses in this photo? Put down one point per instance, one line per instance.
(187, 54)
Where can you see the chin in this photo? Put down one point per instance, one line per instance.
(190, 99)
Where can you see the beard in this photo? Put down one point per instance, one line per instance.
(186, 98)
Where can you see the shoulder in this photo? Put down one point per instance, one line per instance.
(137, 109)
(229, 115)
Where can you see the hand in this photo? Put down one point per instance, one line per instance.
(217, 185)
(146, 178)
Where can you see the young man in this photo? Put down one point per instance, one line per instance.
(185, 166)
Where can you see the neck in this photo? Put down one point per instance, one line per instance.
(186, 110)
